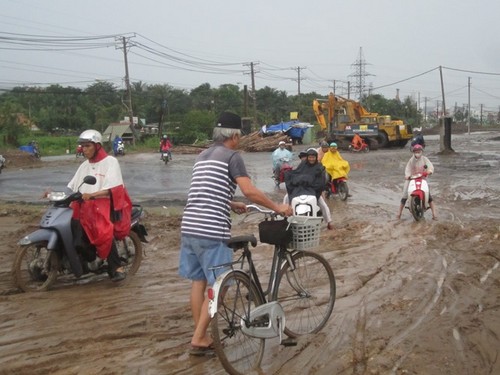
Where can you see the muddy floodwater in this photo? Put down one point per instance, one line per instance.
(412, 298)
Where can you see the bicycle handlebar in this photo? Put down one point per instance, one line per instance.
(267, 212)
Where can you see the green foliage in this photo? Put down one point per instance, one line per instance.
(50, 145)
(9, 127)
(187, 116)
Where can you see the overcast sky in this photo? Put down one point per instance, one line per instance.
(187, 43)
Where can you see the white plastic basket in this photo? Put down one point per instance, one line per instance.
(305, 231)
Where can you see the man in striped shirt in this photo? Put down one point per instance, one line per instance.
(206, 222)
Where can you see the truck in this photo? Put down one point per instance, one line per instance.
(341, 118)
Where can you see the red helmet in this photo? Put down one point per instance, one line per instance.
(417, 148)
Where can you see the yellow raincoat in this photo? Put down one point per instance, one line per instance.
(335, 165)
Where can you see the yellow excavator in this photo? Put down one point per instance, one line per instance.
(341, 118)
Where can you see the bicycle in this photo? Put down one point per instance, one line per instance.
(299, 298)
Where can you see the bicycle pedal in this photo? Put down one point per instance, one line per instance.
(289, 342)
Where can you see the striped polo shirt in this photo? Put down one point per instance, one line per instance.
(213, 183)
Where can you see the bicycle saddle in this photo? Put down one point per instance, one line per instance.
(238, 242)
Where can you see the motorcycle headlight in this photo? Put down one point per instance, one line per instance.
(56, 196)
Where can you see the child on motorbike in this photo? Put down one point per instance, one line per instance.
(417, 164)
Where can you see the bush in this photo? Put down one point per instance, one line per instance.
(52, 145)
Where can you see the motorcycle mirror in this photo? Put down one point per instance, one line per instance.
(89, 180)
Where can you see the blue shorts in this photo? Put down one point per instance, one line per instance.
(199, 254)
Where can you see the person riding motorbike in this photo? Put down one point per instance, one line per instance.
(357, 142)
(335, 165)
(418, 139)
(308, 179)
(322, 150)
(165, 146)
(277, 156)
(417, 164)
(101, 203)
(116, 142)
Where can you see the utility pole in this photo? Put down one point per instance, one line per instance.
(425, 110)
(253, 95)
(245, 100)
(298, 69)
(481, 115)
(129, 90)
(442, 131)
(468, 106)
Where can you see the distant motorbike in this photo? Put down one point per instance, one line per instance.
(119, 149)
(2, 163)
(363, 148)
(79, 151)
(33, 149)
(279, 176)
(418, 195)
(338, 186)
(49, 252)
(166, 156)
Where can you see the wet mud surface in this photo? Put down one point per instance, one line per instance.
(412, 298)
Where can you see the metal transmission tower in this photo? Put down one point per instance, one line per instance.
(360, 74)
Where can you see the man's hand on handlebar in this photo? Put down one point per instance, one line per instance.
(284, 210)
(239, 207)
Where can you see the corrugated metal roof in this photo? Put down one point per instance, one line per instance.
(121, 130)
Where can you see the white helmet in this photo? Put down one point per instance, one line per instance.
(90, 136)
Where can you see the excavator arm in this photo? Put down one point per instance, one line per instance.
(318, 112)
(320, 106)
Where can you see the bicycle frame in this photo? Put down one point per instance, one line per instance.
(271, 310)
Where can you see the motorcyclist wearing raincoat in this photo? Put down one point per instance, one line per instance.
(278, 155)
(418, 163)
(165, 145)
(104, 212)
(335, 166)
(309, 179)
(357, 142)
(116, 143)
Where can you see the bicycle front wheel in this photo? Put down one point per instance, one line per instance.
(306, 291)
(238, 353)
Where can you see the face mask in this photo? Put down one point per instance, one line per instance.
(417, 154)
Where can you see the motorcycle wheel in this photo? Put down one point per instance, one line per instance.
(130, 252)
(416, 208)
(350, 148)
(367, 149)
(343, 190)
(28, 270)
(165, 159)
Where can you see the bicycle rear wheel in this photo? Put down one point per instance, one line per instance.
(306, 292)
(238, 353)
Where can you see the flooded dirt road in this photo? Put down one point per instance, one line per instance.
(412, 298)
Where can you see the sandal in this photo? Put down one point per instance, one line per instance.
(202, 351)
(118, 276)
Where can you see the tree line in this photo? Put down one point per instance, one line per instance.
(187, 115)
